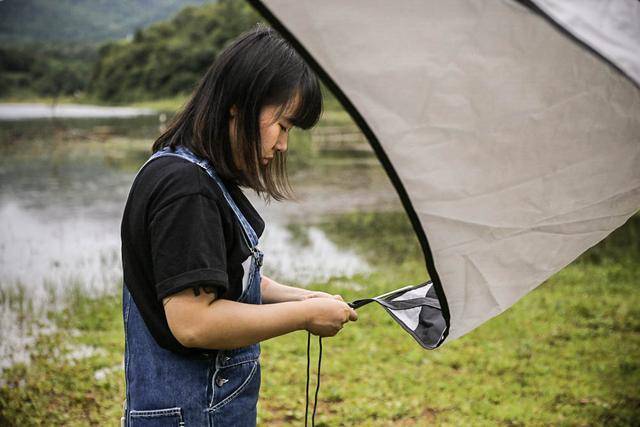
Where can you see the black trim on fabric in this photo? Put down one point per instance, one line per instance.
(200, 277)
(377, 148)
(558, 26)
(413, 333)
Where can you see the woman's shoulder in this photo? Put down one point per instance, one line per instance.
(171, 177)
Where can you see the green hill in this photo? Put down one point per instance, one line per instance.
(169, 57)
(54, 48)
(163, 60)
(81, 21)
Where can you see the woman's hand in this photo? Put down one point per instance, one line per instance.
(326, 316)
(320, 294)
(274, 292)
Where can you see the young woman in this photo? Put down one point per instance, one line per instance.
(195, 305)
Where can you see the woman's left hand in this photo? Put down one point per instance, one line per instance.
(320, 294)
(273, 292)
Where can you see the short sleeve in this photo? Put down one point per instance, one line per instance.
(188, 246)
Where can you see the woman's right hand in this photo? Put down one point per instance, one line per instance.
(326, 316)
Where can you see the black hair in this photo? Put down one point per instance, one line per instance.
(258, 68)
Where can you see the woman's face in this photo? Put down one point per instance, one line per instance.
(274, 133)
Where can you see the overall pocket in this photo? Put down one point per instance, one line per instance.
(169, 417)
(241, 380)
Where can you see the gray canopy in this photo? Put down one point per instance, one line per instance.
(510, 129)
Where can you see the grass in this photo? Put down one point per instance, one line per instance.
(57, 389)
(566, 354)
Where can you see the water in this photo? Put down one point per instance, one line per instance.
(63, 185)
(40, 111)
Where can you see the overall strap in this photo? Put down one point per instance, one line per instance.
(249, 234)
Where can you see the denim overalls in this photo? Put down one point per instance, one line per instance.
(164, 388)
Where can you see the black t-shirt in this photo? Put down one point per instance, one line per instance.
(179, 232)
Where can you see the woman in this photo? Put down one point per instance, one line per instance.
(195, 305)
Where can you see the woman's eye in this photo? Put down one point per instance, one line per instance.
(283, 128)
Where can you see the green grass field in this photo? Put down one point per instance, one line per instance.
(566, 354)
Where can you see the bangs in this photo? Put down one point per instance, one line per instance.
(309, 108)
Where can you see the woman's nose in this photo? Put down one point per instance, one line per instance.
(282, 142)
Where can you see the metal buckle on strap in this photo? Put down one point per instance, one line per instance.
(258, 255)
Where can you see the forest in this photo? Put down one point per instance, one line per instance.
(121, 60)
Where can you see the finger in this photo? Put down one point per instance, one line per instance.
(353, 316)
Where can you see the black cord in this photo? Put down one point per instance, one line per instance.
(306, 400)
(315, 401)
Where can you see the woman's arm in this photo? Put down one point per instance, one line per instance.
(203, 321)
(274, 292)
